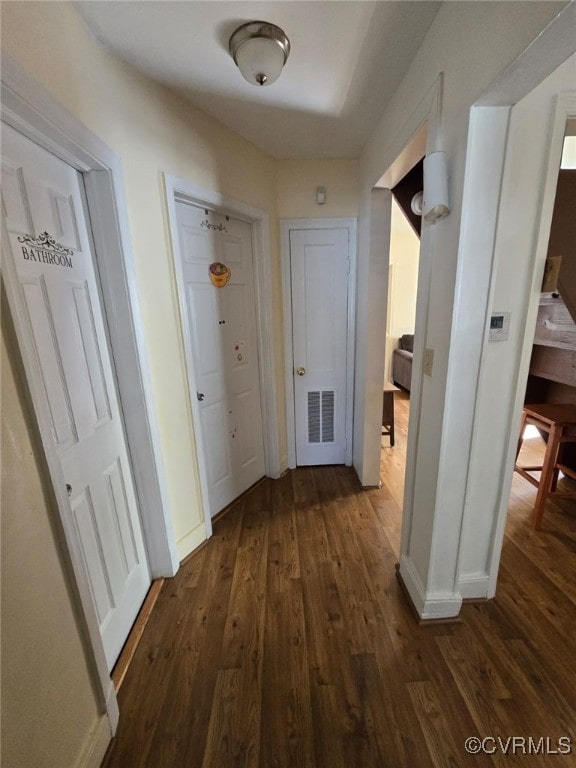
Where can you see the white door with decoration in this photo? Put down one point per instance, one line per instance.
(217, 283)
(66, 346)
(320, 270)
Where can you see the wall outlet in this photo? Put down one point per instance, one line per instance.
(428, 361)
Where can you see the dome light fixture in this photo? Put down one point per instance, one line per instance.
(260, 50)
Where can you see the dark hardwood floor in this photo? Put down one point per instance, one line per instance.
(286, 642)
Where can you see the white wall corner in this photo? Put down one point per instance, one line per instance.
(191, 540)
(474, 586)
(428, 605)
(115, 259)
(96, 745)
(413, 584)
(442, 606)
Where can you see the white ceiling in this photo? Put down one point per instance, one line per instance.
(346, 61)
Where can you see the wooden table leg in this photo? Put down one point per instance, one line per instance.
(388, 415)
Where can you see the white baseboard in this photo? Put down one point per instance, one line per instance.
(428, 606)
(97, 744)
(475, 586)
(190, 541)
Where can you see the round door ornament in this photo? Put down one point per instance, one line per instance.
(219, 274)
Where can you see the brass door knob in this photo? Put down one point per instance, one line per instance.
(300, 371)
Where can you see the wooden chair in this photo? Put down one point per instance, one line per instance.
(559, 422)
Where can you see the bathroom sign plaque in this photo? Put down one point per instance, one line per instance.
(46, 250)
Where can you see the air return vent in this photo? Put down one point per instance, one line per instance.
(321, 417)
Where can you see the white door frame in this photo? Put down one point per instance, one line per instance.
(30, 110)
(564, 109)
(286, 226)
(181, 190)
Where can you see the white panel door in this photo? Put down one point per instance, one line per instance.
(221, 319)
(319, 264)
(50, 248)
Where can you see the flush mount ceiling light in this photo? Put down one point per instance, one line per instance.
(260, 50)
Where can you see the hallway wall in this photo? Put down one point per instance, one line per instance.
(52, 700)
(53, 711)
(297, 180)
(153, 132)
(50, 711)
(469, 44)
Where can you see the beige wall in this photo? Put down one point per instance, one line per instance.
(153, 132)
(48, 704)
(297, 181)
(404, 254)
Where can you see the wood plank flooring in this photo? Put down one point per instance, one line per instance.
(286, 642)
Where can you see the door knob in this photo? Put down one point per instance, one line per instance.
(300, 371)
(68, 489)
(200, 396)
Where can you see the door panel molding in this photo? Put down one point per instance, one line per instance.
(287, 226)
(178, 189)
(30, 110)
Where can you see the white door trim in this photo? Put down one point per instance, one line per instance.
(286, 226)
(28, 108)
(182, 190)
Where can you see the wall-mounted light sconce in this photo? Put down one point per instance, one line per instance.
(260, 51)
(435, 204)
(416, 203)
